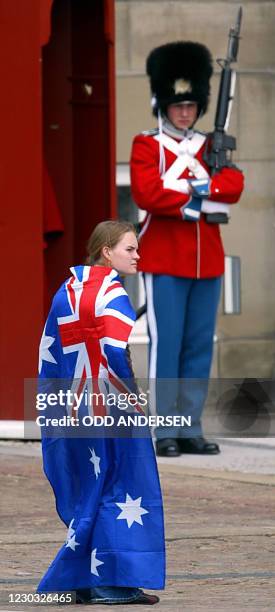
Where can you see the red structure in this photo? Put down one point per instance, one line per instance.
(57, 110)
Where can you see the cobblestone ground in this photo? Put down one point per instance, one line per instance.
(220, 534)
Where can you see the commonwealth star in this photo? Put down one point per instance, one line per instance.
(131, 510)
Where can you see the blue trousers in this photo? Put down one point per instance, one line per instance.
(111, 595)
(181, 316)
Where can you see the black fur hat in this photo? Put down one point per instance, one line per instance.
(178, 72)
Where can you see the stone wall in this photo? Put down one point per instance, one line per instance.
(246, 343)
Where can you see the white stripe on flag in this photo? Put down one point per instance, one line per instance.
(111, 312)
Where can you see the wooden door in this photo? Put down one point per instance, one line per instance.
(79, 144)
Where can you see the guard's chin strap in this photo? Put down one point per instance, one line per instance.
(162, 167)
(167, 127)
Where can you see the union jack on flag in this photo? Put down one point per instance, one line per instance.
(94, 318)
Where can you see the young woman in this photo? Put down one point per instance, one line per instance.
(107, 489)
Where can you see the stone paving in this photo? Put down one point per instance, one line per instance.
(246, 455)
(220, 529)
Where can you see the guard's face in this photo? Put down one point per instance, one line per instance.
(182, 115)
(124, 256)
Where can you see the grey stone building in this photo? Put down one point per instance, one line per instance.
(245, 343)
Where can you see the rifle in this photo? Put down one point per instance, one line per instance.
(141, 311)
(218, 153)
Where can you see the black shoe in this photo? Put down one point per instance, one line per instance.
(198, 446)
(146, 599)
(83, 596)
(168, 447)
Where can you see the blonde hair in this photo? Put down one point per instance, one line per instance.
(106, 233)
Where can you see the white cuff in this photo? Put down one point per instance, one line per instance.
(180, 185)
(208, 206)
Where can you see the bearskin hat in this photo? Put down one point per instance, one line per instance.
(178, 72)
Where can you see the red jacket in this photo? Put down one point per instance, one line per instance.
(169, 244)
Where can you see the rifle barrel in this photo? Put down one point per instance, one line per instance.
(234, 35)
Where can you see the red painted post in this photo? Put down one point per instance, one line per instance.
(21, 201)
(109, 28)
(24, 28)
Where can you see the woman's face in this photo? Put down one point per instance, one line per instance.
(124, 256)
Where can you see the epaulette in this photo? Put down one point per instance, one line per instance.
(152, 132)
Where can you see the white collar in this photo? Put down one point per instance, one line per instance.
(169, 129)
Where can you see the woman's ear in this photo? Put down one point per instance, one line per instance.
(106, 253)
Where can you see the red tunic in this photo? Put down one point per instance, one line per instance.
(169, 244)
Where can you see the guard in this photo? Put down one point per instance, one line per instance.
(182, 255)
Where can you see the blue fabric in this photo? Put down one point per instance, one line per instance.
(185, 312)
(192, 211)
(107, 490)
(201, 187)
(110, 594)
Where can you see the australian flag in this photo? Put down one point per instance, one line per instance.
(107, 489)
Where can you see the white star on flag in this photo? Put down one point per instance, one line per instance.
(71, 531)
(44, 353)
(95, 460)
(131, 510)
(71, 543)
(95, 563)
